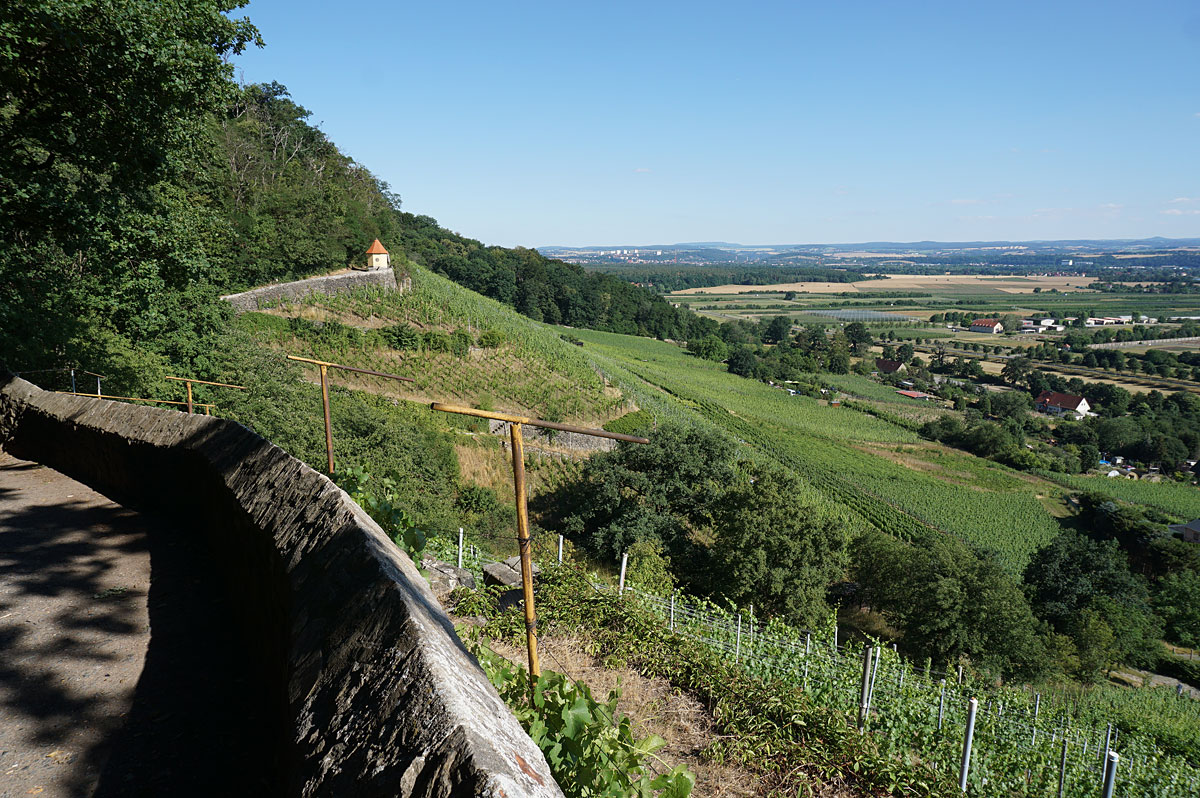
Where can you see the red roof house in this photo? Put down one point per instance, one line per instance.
(1058, 404)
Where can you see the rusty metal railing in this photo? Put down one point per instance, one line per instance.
(325, 366)
(518, 466)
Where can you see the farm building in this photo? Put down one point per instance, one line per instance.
(987, 326)
(1060, 404)
(916, 395)
(885, 366)
(1189, 531)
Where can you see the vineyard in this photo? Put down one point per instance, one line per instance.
(818, 441)
(1024, 741)
(1179, 500)
(525, 365)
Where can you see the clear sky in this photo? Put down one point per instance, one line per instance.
(531, 123)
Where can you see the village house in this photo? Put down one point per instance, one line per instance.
(885, 366)
(1189, 531)
(987, 326)
(1062, 404)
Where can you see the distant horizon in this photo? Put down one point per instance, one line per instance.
(1183, 241)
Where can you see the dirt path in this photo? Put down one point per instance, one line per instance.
(118, 676)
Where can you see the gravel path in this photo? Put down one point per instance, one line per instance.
(119, 674)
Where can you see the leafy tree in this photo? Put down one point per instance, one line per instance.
(1178, 603)
(777, 330)
(742, 361)
(859, 336)
(663, 491)
(710, 348)
(778, 546)
(102, 259)
(1017, 370)
(950, 602)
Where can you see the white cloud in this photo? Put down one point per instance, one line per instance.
(641, 170)
(1182, 200)
(1181, 212)
(1111, 206)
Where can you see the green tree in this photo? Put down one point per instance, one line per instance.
(858, 336)
(949, 602)
(102, 257)
(663, 491)
(1178, 603)
(710, 348)
(778, 546)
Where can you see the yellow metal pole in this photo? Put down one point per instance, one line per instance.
(189, 387)
(325, 403)
(518, 460)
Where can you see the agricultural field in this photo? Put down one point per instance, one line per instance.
(840, 451)
(941, 283)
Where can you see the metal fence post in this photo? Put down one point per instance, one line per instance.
(621, 585)
(672, 612)
(460, 546)
(737, 646)
(807, 649)
(941, 704)
(1062, 768)
(1037, 706)
(1110, 773)
(560, 548)
(972, 709)
(865, 692)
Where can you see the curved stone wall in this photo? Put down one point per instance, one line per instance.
(327, 284)
(374, 691)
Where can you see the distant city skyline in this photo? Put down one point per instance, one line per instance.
(577, 125)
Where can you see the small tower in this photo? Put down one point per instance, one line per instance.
(377, 256)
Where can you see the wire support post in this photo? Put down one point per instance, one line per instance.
(968, 738)
(518, 461)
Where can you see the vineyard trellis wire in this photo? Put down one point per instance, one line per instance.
(1024, 742)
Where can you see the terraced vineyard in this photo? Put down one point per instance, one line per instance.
(531, 370)
(832, 448)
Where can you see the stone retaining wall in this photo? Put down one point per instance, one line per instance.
(254, 299)
(376, 693)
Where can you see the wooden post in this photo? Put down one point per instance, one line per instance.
(189, 392)
(518, 459)
(325, 406)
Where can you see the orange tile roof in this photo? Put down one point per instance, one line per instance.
(377, 249)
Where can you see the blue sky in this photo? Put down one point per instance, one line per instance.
(528, 123)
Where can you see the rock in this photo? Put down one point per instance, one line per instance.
(507, 573)
(445, 577)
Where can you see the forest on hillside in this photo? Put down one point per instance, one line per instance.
(135, 189)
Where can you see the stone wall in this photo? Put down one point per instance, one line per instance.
(329, 284)
(376, 693)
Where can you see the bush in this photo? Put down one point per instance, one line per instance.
(461, 342)
(401, 336)
(491, 339)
